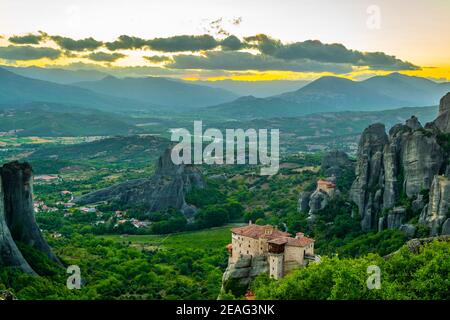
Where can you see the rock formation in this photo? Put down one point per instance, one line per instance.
(303, 201)
(436, 213)
(165, 189)
(335, 163)
(443, 120)
(366, 189)
(318, 201)
(238, 276)
(401, 165)
(17, 221)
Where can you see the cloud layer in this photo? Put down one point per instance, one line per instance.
(259, 52)
(28, 53)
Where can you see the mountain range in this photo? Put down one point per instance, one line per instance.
(110, 93)
(334, 94)
(163, 95)
(17, 90)
(160, 91)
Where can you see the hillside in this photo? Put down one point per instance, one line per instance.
(339, 94)
(250, 107)
(16, 89)
(333, 94)
(59, 120)
(415, 90)
(138, 149)
(259, 89)
(159, 91)
(61, 76)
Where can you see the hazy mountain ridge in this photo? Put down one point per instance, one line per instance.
(57, 75)
(160, 91)
(16, 89)
(59, 120)
(333, 94)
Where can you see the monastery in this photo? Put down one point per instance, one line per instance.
(283, 252)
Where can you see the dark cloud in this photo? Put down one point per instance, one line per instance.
(274, 55)
(158, 59)
(232, 43)
(183, 43)
(238, 61)
(126, 42)
(263, 43)
(77, 45)
(104, 56)
(382, 61)
(330, 53)
(171, 44)
(27, 39)
(28, 53)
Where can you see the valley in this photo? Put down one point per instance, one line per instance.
(108, 199)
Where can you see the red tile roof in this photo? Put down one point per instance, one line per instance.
(255, 231)
(277, 237)
(295, 242)
(300, 242)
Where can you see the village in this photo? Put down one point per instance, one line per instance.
(68, 207)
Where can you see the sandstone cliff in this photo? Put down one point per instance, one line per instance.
(398, 168)
(165, 189)
(17, 221)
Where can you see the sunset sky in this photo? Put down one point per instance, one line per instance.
(245, 39)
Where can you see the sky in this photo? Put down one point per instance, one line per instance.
(416, 33)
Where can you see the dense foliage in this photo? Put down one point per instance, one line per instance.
(114, 270)
(405, 275)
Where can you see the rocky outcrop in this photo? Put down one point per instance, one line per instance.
(318, 201)
(367, 187)
(303, 201)
(437, 212)
(165, 189)
(7, 295)
(408, 229)
(402, 164)
(335, 163)
(238, 276)
(414, 245)
(443, 120)
(396, 217)
(17, 221)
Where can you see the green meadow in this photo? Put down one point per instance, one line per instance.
(204, 239)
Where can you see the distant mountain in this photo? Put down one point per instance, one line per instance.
(339, 94)
(333, 94)
(61, 76)
(251, 107)
(160, 91)
(55, 120)
(16, 89)
(415, 90)
(259, 89)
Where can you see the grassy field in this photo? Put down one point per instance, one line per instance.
(211, 238)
